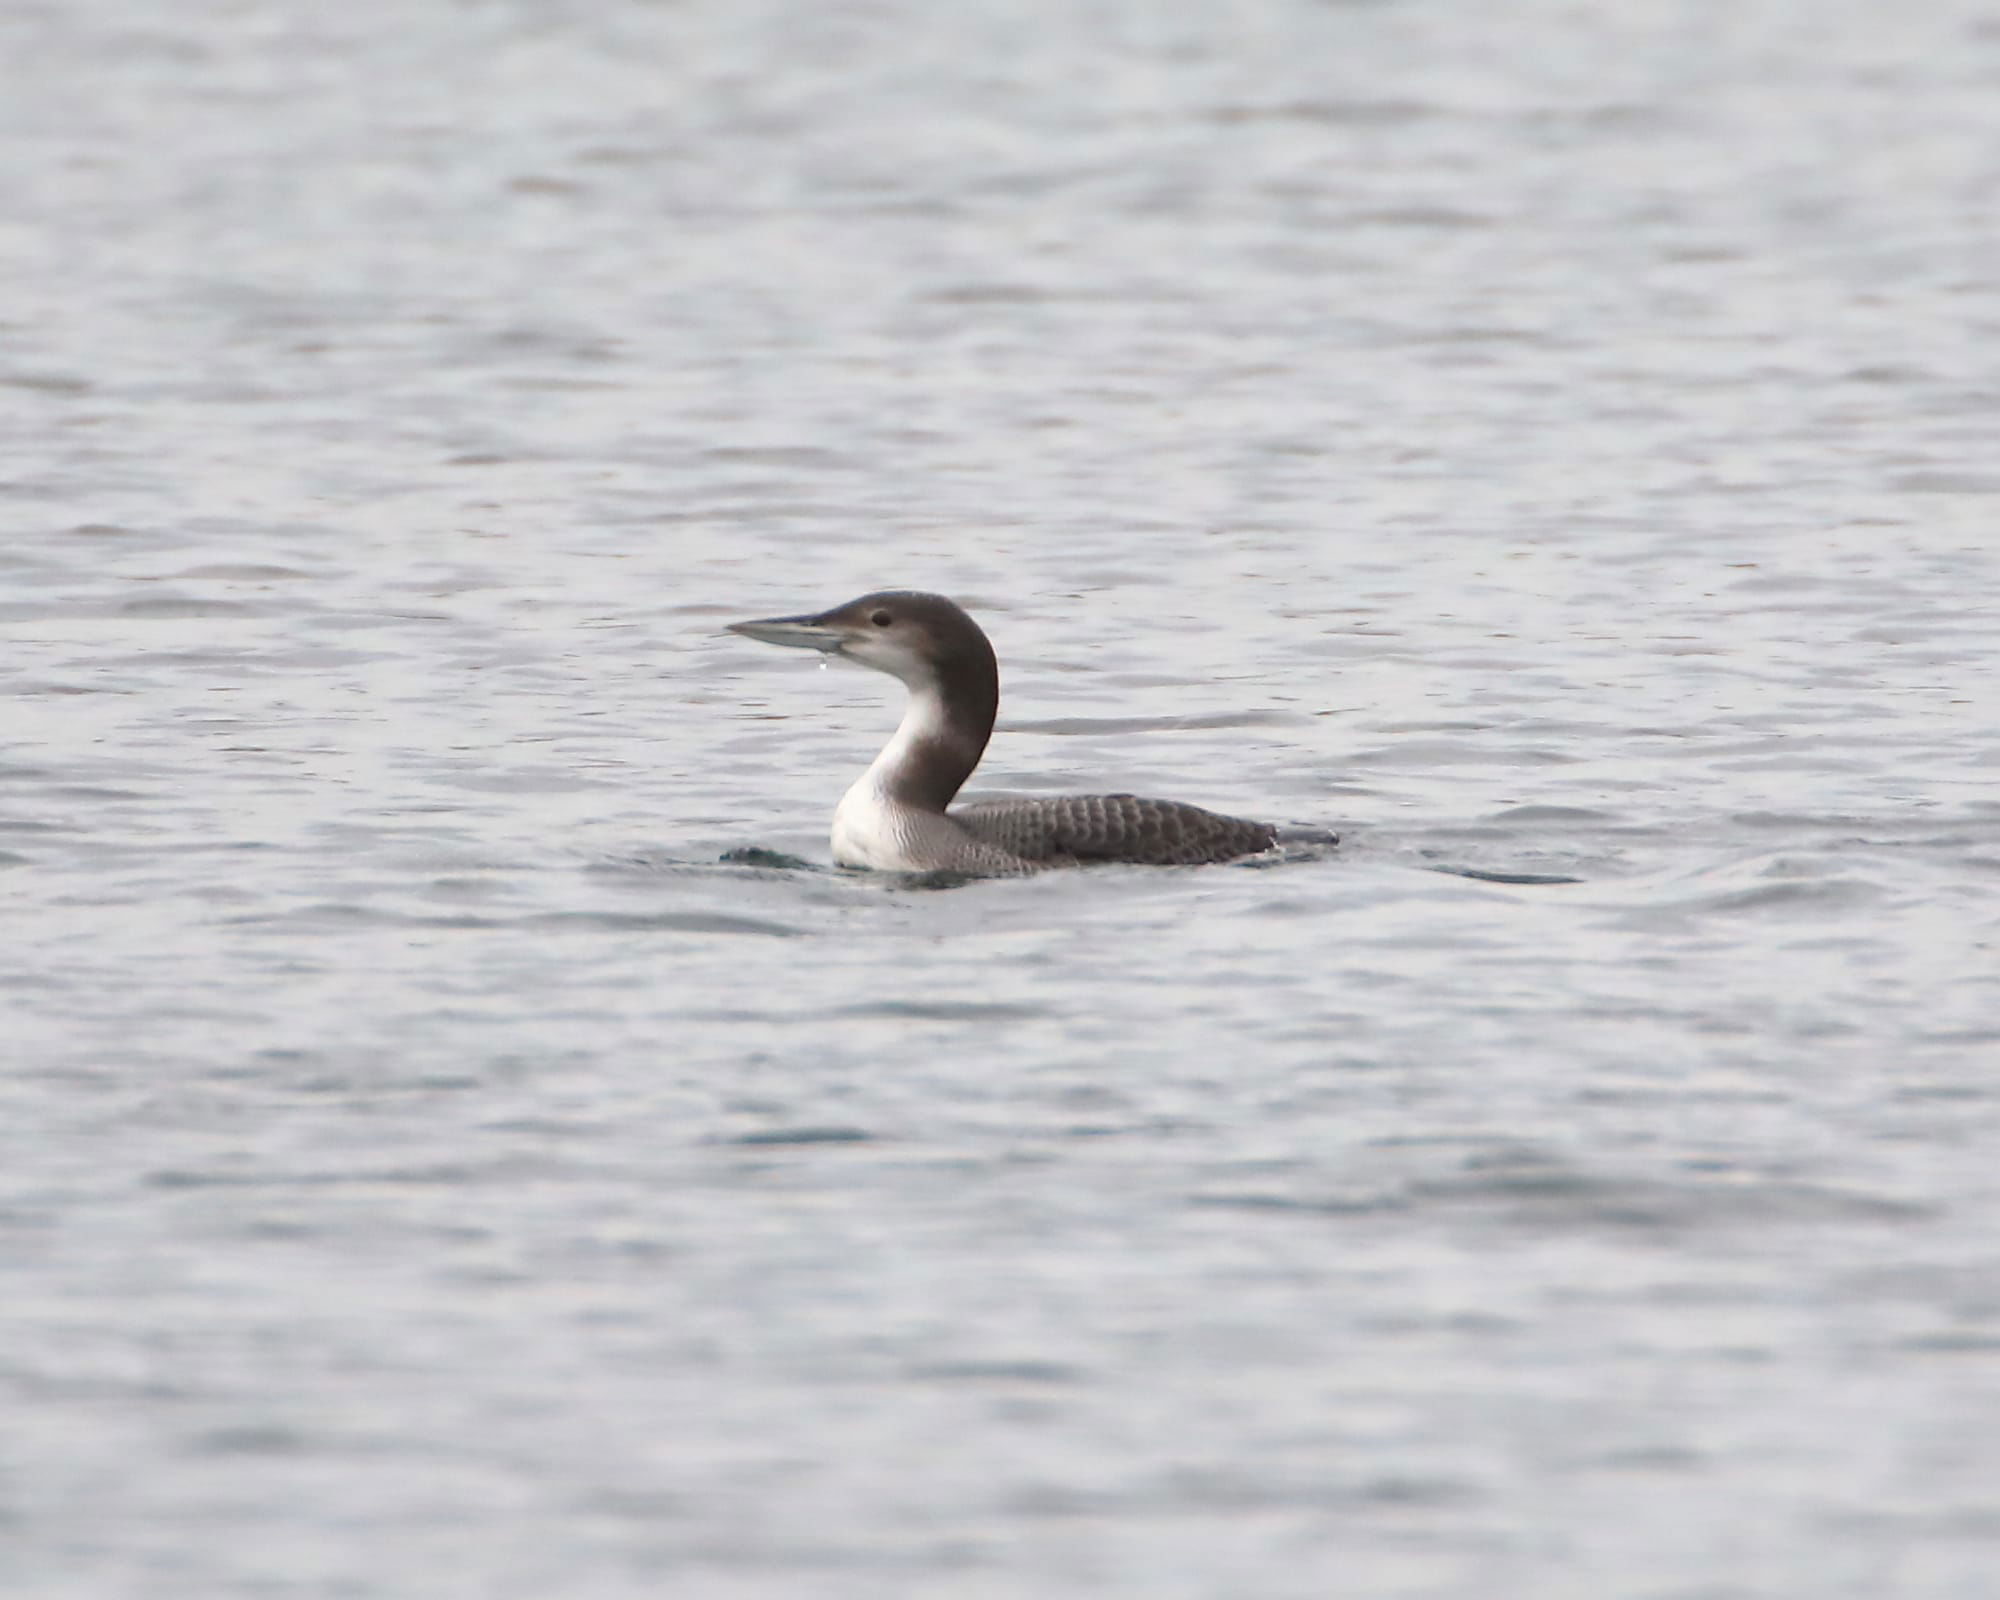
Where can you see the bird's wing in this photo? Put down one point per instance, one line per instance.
(1111, 827)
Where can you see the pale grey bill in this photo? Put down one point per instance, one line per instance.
(801, 633)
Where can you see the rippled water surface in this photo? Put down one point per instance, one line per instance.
(459, 1136)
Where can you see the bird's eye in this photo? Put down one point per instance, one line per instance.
(881, 619)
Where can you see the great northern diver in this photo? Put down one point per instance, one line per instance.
(894, 818)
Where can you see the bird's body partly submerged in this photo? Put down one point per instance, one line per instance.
(898, 816)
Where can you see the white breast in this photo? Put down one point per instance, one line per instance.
(870, 832)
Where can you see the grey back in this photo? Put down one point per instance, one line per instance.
(1112, 827)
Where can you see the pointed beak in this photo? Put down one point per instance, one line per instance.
(801, 633)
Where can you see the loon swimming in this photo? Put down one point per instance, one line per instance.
(895, 819)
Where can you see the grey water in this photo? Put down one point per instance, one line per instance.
(460, 1136)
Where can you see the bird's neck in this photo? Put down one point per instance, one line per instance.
(939, 742)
